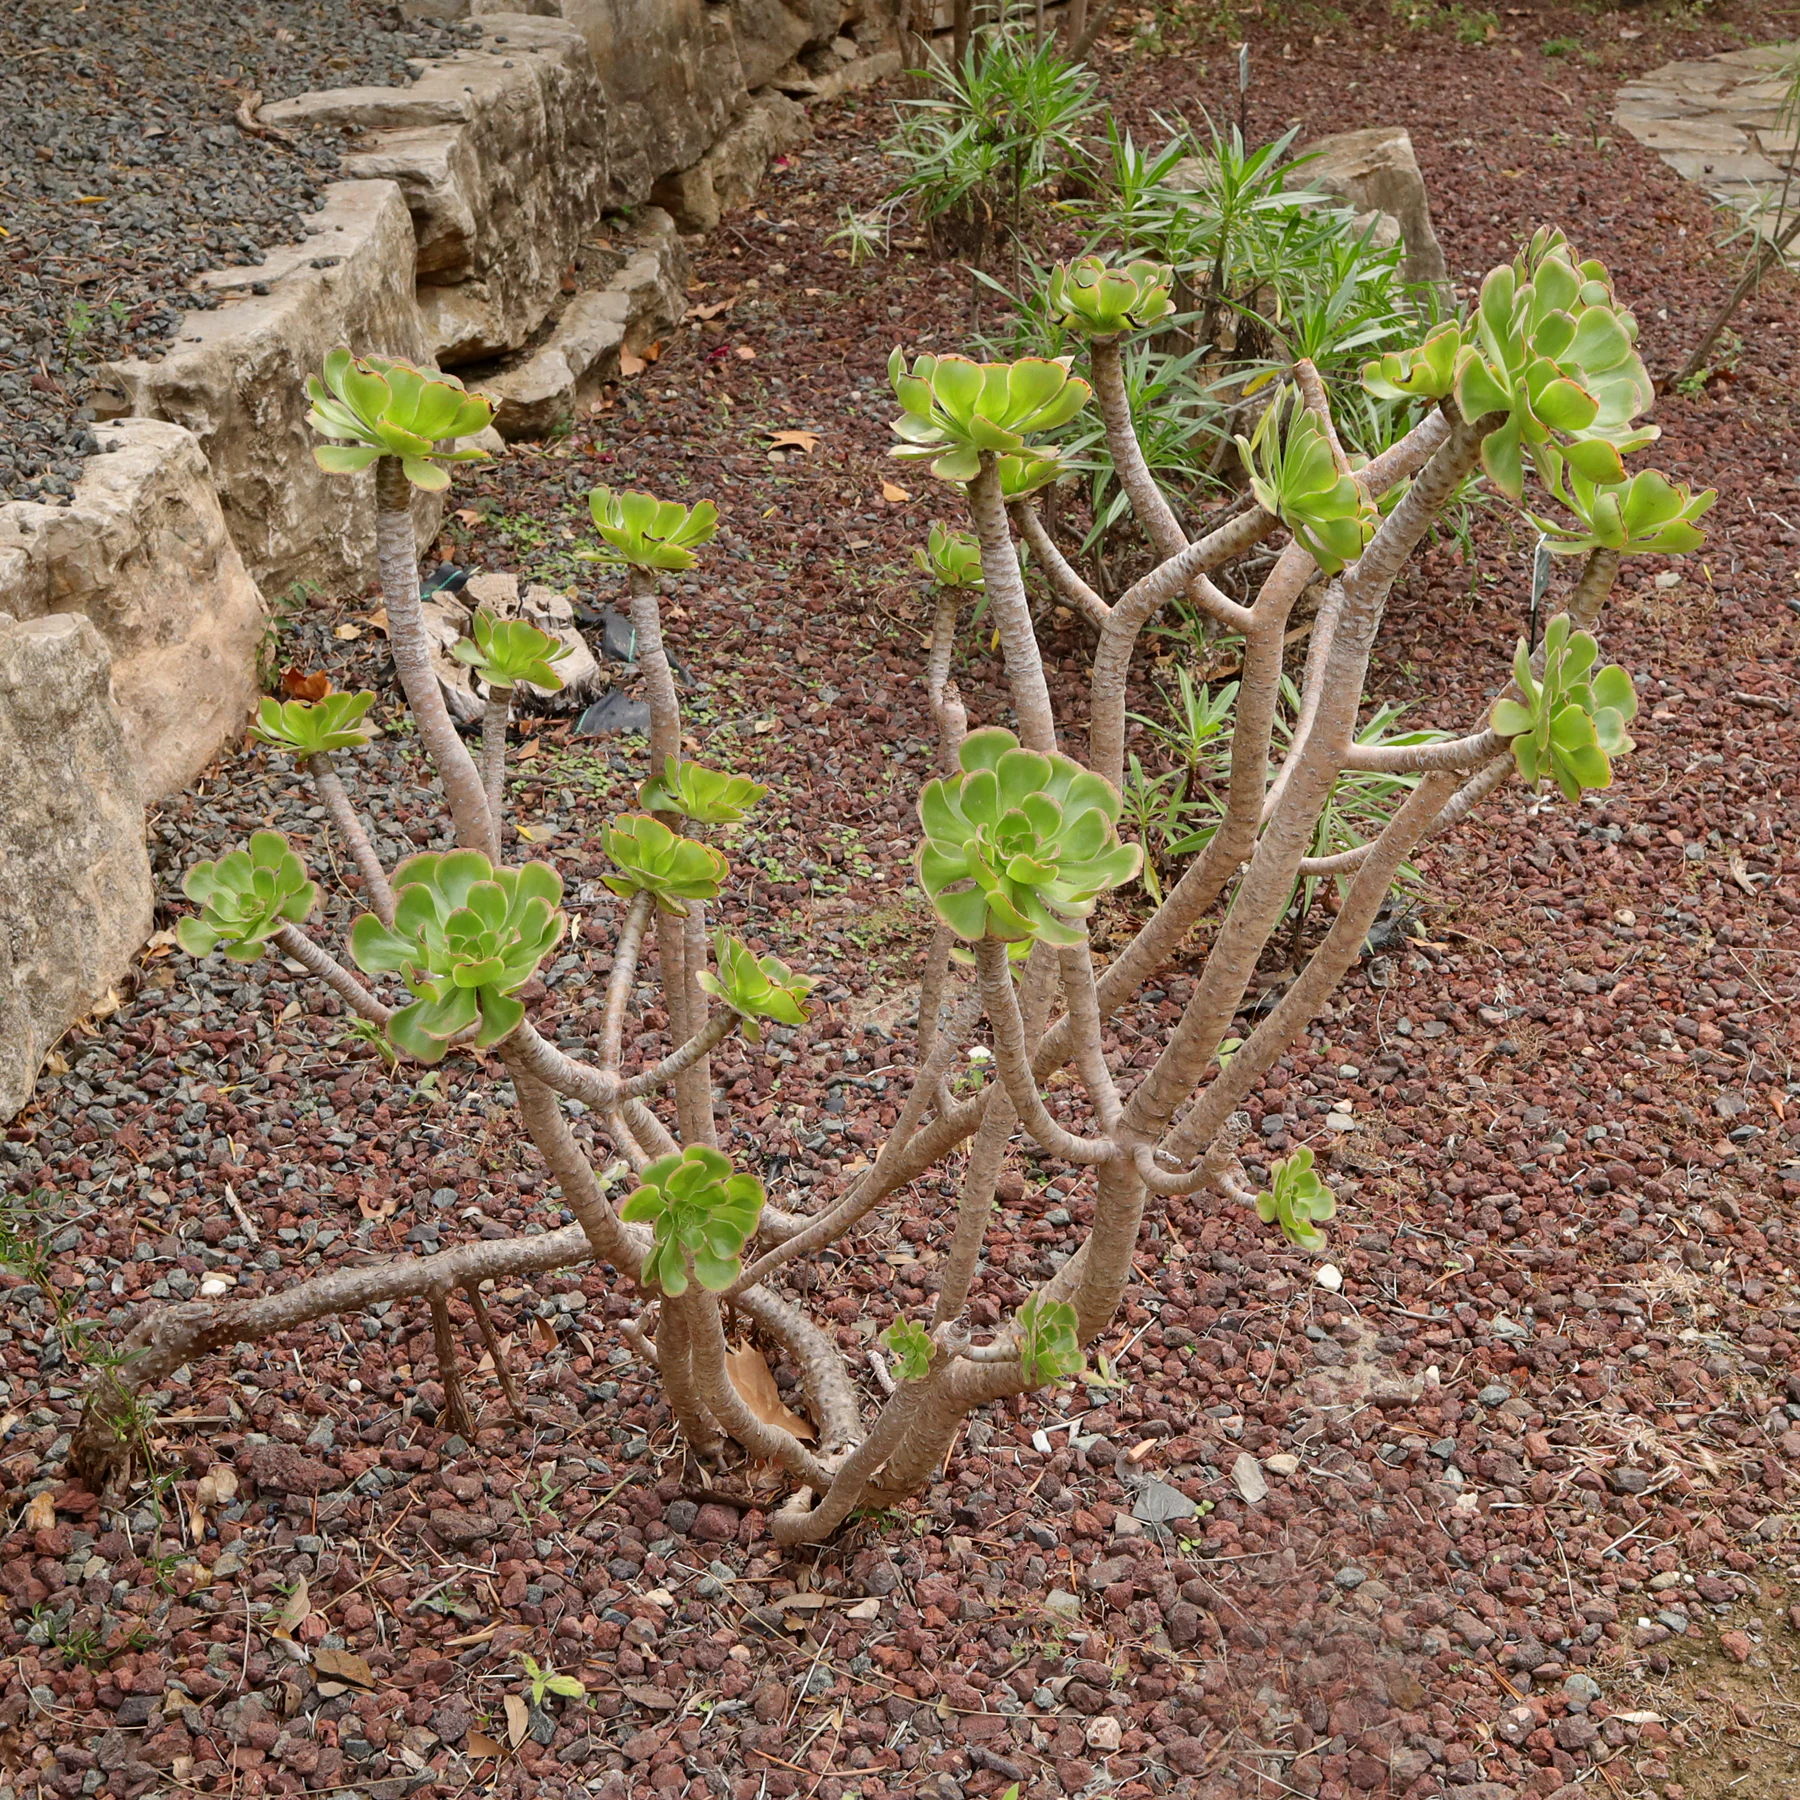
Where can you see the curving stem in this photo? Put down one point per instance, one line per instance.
(350, 828)
(494, 717)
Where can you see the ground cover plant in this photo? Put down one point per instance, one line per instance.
(1019, 843)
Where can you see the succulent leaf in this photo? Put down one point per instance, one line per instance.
(706, 795)
(384, 407)
(756, 987)
(641, 532)
(1102, 300)
(951, 558)
(245, 897)
(1297, 1200)
(312, 727)
(1571, 721)
(910, 1347)
(954, 410)
(509, 653)
(1019, 845)
(1646, 514)
(652, 859)
(701, 1216)
(1295, 476)
(465, 937)
(1049, 1349)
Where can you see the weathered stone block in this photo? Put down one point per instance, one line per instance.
(729, 174)
(1376, 171)
(75, 892)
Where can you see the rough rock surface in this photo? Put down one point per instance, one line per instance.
(729, 174)
(500, 151)
(1375, 171)
(144, 553)
(645, 298)
(236, 378)
(75, 892)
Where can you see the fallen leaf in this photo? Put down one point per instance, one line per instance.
(56, 1063)
(894, 493)
(535, 834)
(486, 1365)
(756, 1388)
(378, 619)
(543, 1334)
(347, 632)
(40, 1515)
(294, 1608)
(371, 1208)
(481, 1745)
(472, 1637)
(518, 1718)
(217, 1487)
(468, 515)
(657, 1699)
(799, 440)
(760, 728)
(630, 363)
(344, 1665)
(744, 353)
(799, 1602)
(305, 687)
(1158, 1503)
(712, 309)
(1247, 1473)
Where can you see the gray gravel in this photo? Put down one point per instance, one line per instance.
(122, 175)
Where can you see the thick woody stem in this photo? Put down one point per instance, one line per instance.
(1076, 964)
(675, 1364)
(693, 1081)
(1597, 578)
(457, 1417)
(376, 892)
(822, 1371)
(496, 1352)
(624, 970)
(974, 1207)
(947, 710)
(291, 941)
(1459, 755)
(494, 717)
(1153, 512)
(1062, 575)
(1318, 403)
(398, 558)
(796, 1524)
(603, 1089)
(1011, 611)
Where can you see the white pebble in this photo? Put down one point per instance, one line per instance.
(1329, 1276)
(213, 1287)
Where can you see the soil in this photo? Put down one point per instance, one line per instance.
(1524, 1506)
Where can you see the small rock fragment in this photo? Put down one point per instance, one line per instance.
(1247, 1474)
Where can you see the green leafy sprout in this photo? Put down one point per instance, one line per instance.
(1297, 1200)
(510, 653)
(1295, 476)
(653, 860)
(245, 898)
(1091, 296)
(701, 1216)
(1570, 724)
(312, 727)
(466, 936)
(705, 795)
(951, 558)
(641, 532)
(910, 1347)
(547, 1681)
(1049, 1349)
(1018, 845)
(390, 408)
(1645, 515)
(953, 409)
(755, 987)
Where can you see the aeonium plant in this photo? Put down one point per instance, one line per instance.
(1021, 850)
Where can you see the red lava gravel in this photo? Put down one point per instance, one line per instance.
(1508, 1511)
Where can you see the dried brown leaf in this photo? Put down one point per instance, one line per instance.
(518, 1719)
(344, 1665)
(478, 1743)
(305, 687)
(756, 1388)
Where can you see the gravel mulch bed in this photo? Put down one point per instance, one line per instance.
(123, 174)
(1508, 1512)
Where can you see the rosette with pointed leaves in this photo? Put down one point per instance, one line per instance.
(1018, 845)
(1295, 476)
(389, 408)
(756, 987)
(465, 937)
(706, 795)
(951, 558)
(701, 1216)
(311, 727)
(1296, 1199)
(1096, 298)
(509, 653)
(1571, 721)
(639, 531)
(1550, 348)
(245, 898)
(1049, 1349)
(910, 1347)
(954, 409)
(653, 860)
(1646, 514)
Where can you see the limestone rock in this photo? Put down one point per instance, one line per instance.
(447, 619)
(728, 175)
(75, 891)
(771, 33)
(142, 550)
(1375, 171)
(501, 153)
(235, 377)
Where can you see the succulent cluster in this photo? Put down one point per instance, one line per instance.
(1018, 845)
(1049, 1349)
(1297, 1200)
(754, 987)
(509, 653)
(1646, 514)
(389, 408)
(245, 898)
(1295, 476)
(639, 531)
(1091, 296)
(954, 410)
(652, 859)
(910, 1347)
(466, 937)
(707, 796)
(951, 558)
(312, 727)
(700, 1215)
(1570, 722)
